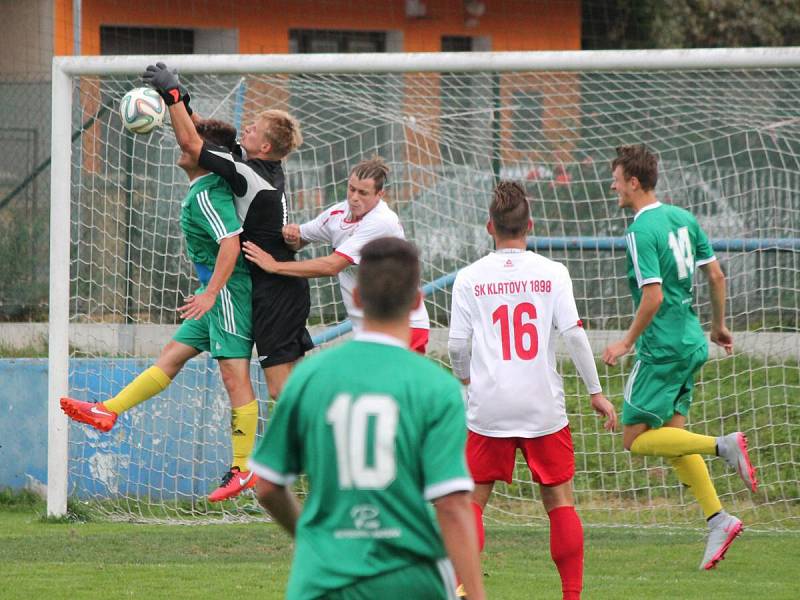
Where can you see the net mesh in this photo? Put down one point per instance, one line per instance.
(728, 143)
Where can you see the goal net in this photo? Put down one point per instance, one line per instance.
(450, 126)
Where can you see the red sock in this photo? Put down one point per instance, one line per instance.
(476, 508)
(566, 549)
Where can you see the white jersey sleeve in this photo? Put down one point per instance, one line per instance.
(565, 311)
(316, 230)
(580, 351)
(460, 319)
(370, 229)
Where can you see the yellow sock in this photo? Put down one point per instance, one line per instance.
(673, 441)
(693, 473)
(146, 385)
(244, 422)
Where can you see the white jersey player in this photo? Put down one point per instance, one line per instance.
(347, 227)
(507, 306)
(347, 236)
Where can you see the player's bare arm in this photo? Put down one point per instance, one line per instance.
(279, 502)
(292, 237)
(326, 266)
(603, 407)
(652, 297)
(720, 334)
(197, 306)
(577, 343)
(456, 521)
(185, 133)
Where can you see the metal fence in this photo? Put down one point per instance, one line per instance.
(24, 199)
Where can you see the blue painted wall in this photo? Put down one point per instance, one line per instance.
(176, 445)
(23, 421)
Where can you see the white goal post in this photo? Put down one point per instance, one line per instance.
(725, 125)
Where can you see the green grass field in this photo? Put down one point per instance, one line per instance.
(120, 560)
(40, 559)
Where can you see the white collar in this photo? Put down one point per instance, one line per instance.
(196, 179)
(349, 219)
(379, 338)
(510, 251)
(655, 204)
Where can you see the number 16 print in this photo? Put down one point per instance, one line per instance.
(522, 331)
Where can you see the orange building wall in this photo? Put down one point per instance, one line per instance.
(264, 25)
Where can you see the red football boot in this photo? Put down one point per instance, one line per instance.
(91, 413)
(234, 482)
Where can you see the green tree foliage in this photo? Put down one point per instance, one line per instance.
(690, 23)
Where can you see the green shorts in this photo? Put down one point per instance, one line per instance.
(656, 391)
(422, 581)
(225, 330)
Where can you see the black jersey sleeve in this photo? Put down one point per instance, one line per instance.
(227, 165)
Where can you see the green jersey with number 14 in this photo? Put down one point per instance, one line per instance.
(666, 245)
(379, 431)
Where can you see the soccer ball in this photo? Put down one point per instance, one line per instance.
(142, 110)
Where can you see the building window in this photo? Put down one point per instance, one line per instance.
(349, 117)
(145, 40)
(457, 43)
(308, 41)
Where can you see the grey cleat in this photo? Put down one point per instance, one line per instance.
(732, 448)
(722, 530)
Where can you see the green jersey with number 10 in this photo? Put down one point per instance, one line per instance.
(666, 245)
(379, 431)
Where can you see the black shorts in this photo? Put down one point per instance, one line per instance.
(280, 311)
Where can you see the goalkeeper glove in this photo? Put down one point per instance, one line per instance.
(167, 84)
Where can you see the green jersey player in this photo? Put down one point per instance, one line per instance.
(217, 317)
(380, 432)
(665, 245)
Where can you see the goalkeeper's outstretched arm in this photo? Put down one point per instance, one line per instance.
(175, 96)
(185, 132)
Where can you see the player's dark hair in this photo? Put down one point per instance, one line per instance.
(374, 168)
(388, 278)
(637, 161)
(282, 132)
(217, 132)
(509, 211)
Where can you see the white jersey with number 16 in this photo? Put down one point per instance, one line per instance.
(509, 304)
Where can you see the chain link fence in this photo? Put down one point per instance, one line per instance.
(24, 199)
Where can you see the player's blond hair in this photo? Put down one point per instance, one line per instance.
(509, 211)
(282, 132)
(374, 168)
